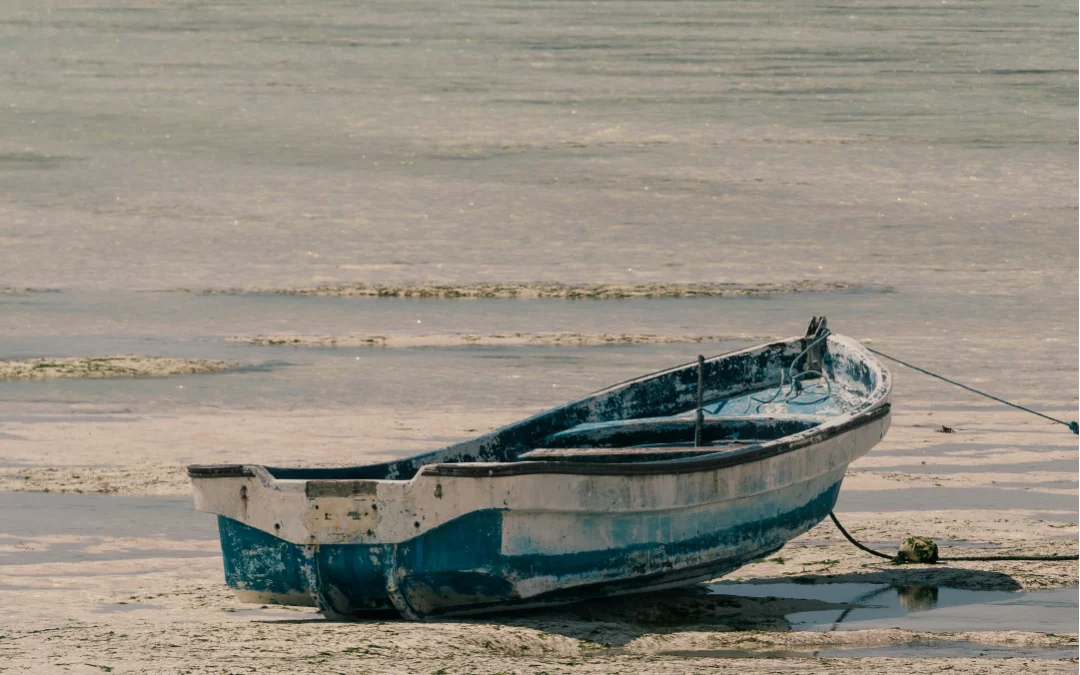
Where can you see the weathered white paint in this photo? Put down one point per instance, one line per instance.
(539, 505)
(400, 510)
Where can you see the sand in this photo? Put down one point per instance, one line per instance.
(546, 290)
(155, 605)
(132, 603)
(106, 366)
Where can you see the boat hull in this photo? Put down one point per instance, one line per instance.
(589, 499)
(623, 534)
(470, 566)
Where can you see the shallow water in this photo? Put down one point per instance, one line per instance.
(920, 147)
(922, 144)
(178, 324)
(1047, 506)
(920, 607)
(916, 649)
(38, 514)
(942, 649)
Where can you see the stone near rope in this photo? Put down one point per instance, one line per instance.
(918, 550)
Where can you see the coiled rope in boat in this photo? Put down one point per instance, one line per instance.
(796, 389)
(923, 550)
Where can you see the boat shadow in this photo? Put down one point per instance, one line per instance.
(616, 621)
(612, 622)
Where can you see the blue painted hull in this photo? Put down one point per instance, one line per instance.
(461, 567)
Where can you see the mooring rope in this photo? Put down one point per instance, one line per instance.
(897, 559)
(1073, 426)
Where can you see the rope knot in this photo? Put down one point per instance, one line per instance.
(1074, 427)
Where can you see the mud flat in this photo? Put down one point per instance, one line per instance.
(547, 290)
(516, 339)
(106, 366)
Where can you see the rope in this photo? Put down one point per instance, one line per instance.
(1073, 426)
(796, 389)
(896, 558)
(857, 544)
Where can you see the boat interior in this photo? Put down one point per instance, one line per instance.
(790, 388)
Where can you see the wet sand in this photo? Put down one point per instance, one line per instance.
(134, 584)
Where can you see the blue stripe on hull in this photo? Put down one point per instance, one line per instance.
(460, 566)
(260, 562)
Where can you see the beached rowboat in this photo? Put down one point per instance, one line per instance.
(673, 478)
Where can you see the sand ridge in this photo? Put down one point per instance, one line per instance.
(508, 339)
(541, 290)
(107, 366)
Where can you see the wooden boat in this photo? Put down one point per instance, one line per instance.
(670, 479)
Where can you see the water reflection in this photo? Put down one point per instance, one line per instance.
(917, 598)
(918, 606)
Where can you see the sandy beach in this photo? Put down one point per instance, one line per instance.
(155, 601)
(105, 567)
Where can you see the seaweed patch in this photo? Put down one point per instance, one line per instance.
(107, 366)
(542, 290)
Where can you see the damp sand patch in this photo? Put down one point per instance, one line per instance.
(107, 366)
(491, 339)
(153, 479)
(526, 291)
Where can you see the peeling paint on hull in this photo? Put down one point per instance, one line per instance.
(464, 566)
(443, 533)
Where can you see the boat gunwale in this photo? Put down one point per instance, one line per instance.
(718, 460)
(880, 407)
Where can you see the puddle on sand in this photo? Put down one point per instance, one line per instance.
(947, 649)
(126, 607)
(918, 649)
(736, 654)
(918, 607)
(34, 514)
(73, 527)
